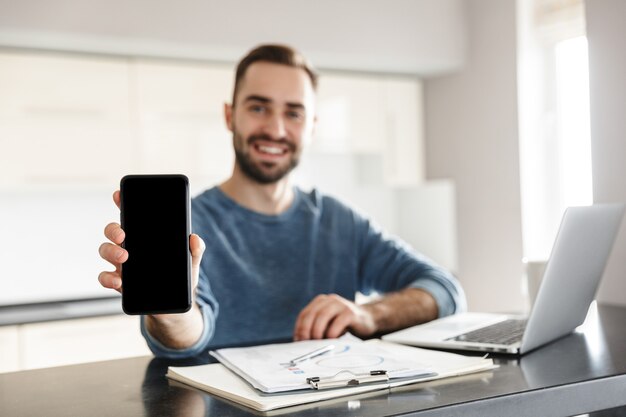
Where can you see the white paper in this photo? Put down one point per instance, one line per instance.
(266, 369)
(218, 380)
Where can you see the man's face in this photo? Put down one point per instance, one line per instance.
(273, 115)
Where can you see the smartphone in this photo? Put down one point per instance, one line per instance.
(155, 216)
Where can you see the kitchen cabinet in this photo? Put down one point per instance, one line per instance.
(180, 120)
(371, 116)
(81, 119)
(64, 342)
(63, 118)
(9, 347)
(404, 150)
(350, 114)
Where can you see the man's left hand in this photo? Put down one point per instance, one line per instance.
(330, 316)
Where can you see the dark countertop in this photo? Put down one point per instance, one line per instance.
(59, 310)
(577, 374)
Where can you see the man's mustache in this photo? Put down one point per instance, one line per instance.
(282, 141)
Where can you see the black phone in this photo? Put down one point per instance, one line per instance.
(156, 218)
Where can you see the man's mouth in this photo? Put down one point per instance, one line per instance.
(270, 149)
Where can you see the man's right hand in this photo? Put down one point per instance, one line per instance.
(173, 330)
(113, 253)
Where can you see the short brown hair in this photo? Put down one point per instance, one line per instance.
(277, 54)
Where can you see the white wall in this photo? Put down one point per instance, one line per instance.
(606, 33)
(50, 240)
(407, 36)
(471, 137)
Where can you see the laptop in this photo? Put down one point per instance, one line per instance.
(568, 287)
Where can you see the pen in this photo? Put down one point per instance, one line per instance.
(311, 355)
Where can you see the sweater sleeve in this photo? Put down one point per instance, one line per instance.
(209, 309)
(388, 264)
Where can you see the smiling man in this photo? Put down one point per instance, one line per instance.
(272, 261)
(271, 149)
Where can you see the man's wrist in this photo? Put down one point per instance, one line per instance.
(176, 331)
(379, 314)
(402, 309)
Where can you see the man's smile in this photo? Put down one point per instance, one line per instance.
(270, 149)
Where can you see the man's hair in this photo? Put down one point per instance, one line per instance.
(276, 54)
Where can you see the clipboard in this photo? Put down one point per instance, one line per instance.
(218, 380)
(352, 380)
(351, 362)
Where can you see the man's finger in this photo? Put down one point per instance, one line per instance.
(302, 327)
(340, 324)
(113, 253)
(324, 317)
(304, 321)
(116, 198)
(115, 233)
(110, 280)
(197, 247)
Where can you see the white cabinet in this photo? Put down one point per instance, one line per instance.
(9, 349)
(351, 114)
(404, 147)
(68, 119)
(370, 116)
(63, 118)
(181, 125)
(65, 342)
(71, 119)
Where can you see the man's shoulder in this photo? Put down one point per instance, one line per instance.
(326, 204)
(319, 199)
(207, 206)
(209, 196)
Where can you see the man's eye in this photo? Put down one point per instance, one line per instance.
(295, 115)
(257, 109)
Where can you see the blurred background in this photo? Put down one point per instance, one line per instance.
(463, 126)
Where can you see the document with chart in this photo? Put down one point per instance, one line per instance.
(319, 364)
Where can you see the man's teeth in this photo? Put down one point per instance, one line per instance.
(271, 150)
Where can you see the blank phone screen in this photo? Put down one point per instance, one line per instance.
(155, 219)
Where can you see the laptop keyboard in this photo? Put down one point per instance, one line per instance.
(503, 333)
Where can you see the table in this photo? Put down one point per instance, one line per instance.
(580, 373)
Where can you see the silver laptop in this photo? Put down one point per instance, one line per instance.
(568, 287)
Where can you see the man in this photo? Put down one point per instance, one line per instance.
(280, 262)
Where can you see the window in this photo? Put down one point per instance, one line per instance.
(574, 137)
(555, 144)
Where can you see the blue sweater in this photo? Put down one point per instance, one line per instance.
(259, 271)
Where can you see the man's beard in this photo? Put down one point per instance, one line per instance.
(254, 171)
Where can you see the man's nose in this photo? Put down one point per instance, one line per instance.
(275, 127)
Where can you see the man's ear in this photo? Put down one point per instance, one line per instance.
(314, 128)
(228, 116)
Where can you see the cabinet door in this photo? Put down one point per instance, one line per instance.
(180, 118)
(351, 114)
(9, 349)
(63, 118)
(404, 150)
(81, 340)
